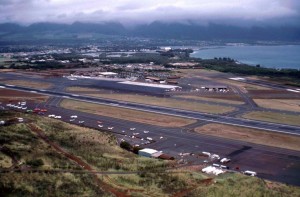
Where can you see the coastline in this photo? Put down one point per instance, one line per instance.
(277, 56)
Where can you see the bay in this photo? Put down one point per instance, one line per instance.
(282, 56)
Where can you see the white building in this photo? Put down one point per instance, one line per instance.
(147, 152)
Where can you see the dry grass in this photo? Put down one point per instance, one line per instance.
(227, 101)
(274, 117)
(5, 161)
(251, 135)
(30, 84)
(158, 101)
(127, 114)
(243, 86)
(281, 104)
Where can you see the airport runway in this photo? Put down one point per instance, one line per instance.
(275, 127)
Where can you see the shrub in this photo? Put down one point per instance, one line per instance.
(35, 163)
(125, 145)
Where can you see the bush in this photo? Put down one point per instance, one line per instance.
(35, 163)
(125, 145)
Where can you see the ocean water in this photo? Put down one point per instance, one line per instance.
(282, 56)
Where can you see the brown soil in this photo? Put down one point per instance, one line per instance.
(12, 95)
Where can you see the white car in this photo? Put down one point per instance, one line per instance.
(73, 116)
(57, 117)
(135, 133)
(149, 138)
(132, 129)
(110, 128)
(225, 160)
(99, 125)
(71, 120)
(161, 137)
(51, 116)
(81, 122)
(146, 131)
(24, 108)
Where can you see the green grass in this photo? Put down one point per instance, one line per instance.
(239, 185)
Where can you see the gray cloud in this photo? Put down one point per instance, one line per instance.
(137, 11)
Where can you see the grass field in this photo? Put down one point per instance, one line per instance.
(165, 102)
(251, 135)
(219, 100)
(281, 104)
(274, 117)
(30, 84)
(127, 114)
(99, 150)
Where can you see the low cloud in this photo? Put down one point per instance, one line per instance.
(131, 12)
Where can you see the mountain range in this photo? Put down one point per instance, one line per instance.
(159, 30)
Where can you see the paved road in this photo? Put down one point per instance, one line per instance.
(295, 130)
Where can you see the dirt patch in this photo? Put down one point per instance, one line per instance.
(30, 84)
(127, 114)
(274, 117)
(281, 104)
(13, 95)
(251, 135)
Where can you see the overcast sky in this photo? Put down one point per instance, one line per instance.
(146, 11)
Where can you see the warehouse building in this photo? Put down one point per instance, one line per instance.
(147, 152)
